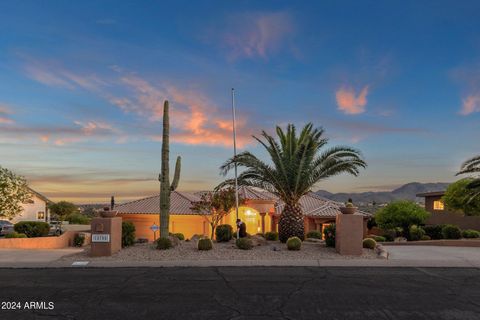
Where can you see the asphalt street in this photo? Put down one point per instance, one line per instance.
(240, 293)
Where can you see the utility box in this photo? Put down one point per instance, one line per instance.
(106, 236)
(349, 234)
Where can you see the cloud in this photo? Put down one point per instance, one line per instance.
(5, 112)
(470, 105)
(254, 35)
(349, 103)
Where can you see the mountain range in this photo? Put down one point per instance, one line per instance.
(406, 192)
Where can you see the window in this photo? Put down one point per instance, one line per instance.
(438, 205)
(40, 215)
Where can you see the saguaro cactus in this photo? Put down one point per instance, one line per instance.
(165, 187)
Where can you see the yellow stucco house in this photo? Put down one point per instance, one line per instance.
(260, 212)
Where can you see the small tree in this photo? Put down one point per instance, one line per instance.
(460, 197)
(217, 204)
(13, 192)
(62, 209)
(401, 214)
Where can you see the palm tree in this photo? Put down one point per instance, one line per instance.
(472, 166)
(297, 164)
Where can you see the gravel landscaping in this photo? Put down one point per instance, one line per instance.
(274, 250)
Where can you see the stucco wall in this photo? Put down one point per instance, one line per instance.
(464, 222)
(30, 210)
(63, 241)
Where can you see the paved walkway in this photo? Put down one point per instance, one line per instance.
(25, 258)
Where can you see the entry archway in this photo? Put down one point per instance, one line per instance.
(250, 216)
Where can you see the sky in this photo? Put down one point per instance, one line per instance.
(82, 86)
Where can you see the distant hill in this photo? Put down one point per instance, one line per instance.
(405, 192)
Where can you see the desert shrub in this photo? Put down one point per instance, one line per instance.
(205, 244)
(401, 214)
(179, 236)
(271, 236)
(32, 229)
(470, 234)
(314, 234)
(244, 243)
(389, 235)
(434, 232)
(128, 234)
(77, 218)
(451, 231)
(223, 233)
(15, 235)
(164, 243)
(369, 243)
(329, 235)
(78, 240)
(379, 238)
(416, 233)
(294, 243)
(425, 237)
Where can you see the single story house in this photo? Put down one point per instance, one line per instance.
(441, 215)
(34, 210)
(260, 212)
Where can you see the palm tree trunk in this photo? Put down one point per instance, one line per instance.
(291, 223)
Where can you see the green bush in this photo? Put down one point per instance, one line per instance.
(32, 229)
(128, 234)
(244, 243)
(77, 218)
(369, 243)
(329, 235)
(179, 236)
(223, 233)
(434, 232)
(314, 234)
(389, 235)
(15, 235)
(205, 244)
(416, 233)
(451, 231)
(470, 234)
(379, 239)
(271, 236)
(78, 240)
(401, 214)
(164, 243)
(294, 243)
(425, 237)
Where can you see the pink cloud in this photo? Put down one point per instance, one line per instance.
(349, 103)
(258, 34)
(4, 115)
(470, 105)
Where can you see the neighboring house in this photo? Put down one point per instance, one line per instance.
(441, 215)
(260, 212)
(34, 210)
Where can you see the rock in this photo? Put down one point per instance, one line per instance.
(258, 240)
(195, 237)
(381, 251)
(400, 239)
(175, 241)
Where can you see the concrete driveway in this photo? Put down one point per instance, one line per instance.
(446, 256)
(33, 257)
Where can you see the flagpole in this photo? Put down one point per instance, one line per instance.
(235, 153)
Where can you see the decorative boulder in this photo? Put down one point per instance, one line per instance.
(258, 240)
(175, 241)
(400, 239)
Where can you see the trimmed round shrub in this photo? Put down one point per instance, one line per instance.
(329, 234)
(164, 243)
(271, 236)
(128, 234)
(314, 234)
(244, 243)
(451, 231)
(205, 244)
(223, 233)
(416, 233)
(379, 239)
(470, 234)
(179, 236)
(78, 240)
(77, 218)
(32, 229)
(425, 237)
(369, 243)
(294, 243)
(434, 232)
(15, 235)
